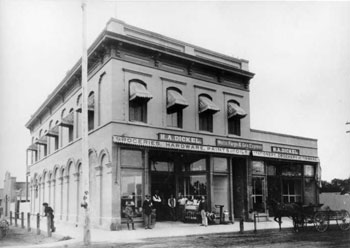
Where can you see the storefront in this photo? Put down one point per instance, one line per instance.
(194, 170)
(283, 177)
(241, 180)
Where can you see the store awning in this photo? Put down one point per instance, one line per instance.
(138, 91)
(32, 147)
(68, 120)
(41, 141)
(206, 105)
(234, 110)
(175, 101)
(53, 132)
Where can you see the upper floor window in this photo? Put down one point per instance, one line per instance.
(138, 98)
(91, 111)
(234, 115)
(78, 113)
(206, 111)
(175, 104)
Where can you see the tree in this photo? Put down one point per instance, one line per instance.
(336, 185)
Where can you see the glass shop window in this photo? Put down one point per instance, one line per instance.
(131, 158)
(199, 165)
(162, 166)
(221, 190)
(131, 190)
(194, 185)
(271, 170)
(258, 184)
(220, 164)
(258, 168)
(291, 191)
(291, 170)
(309, 171)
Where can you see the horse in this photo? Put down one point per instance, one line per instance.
(291, 210)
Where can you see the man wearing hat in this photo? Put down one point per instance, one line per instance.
(147, 211)
(49, 213)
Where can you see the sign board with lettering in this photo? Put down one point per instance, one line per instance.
(284, 150)
(178, 146)
(239, 144)
(180, 138)
(284, 156)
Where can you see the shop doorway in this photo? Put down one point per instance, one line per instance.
(258, 194)
(162, 181)
(173, 173)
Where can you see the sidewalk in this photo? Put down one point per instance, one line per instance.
(162, 229)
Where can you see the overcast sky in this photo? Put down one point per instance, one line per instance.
(299, 52)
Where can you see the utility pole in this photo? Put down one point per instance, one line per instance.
(85, 145)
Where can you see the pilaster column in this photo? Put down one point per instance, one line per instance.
(108, 167)
(60, 184)
(53, 188)
(48, 183)
(98, 171)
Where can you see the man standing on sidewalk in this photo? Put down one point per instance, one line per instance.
(49, 213)
(147, 211)
(203, 208)
(172, 206)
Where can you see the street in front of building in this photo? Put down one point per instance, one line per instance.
(263, 238)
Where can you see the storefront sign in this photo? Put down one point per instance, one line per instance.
(284, 156)
(178, 146)
(180, 138)
(239, 145)
(284, 150)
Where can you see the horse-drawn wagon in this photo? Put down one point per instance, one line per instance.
(310, 214)
(322, 218)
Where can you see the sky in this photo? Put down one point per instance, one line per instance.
(299, 52)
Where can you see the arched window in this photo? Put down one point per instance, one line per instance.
(67, 124)
(234, 115)
(57, 137)
(175, 103)
(91, 111)
(206, 111)
(138, 98)
(78, 119)
(63, 113)
(71, 127)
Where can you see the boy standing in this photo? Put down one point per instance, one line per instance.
(129, 214)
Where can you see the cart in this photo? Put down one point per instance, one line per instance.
(321, 219)
(191, 213)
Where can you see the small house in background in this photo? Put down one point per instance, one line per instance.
(12, 194)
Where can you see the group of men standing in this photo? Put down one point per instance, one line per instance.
(176, 206)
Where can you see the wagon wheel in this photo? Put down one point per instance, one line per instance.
(320, 221)
(343, 220)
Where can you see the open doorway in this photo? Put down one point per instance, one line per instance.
(162, 171)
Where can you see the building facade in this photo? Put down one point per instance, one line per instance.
(163, 115)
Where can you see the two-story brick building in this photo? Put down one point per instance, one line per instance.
(163, 115)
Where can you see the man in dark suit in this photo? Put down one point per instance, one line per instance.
(147, 211)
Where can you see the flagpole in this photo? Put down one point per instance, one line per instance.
(85, 145)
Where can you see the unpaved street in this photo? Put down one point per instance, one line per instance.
(263, 238)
